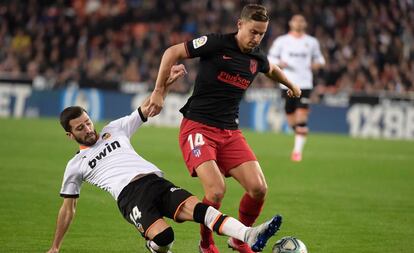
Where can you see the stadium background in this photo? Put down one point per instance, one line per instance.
(349, 194)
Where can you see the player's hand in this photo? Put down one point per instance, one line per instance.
(295, 92)
(145, 106)
(176, 72)
(156, 103)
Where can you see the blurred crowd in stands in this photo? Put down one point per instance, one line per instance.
(368, 45)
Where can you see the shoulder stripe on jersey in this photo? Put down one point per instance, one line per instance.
(186, 50)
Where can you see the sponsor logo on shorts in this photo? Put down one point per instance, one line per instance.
(140, 228)
(199, 42)
(173, 189)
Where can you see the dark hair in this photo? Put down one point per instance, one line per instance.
(69, 113)
(254, 12)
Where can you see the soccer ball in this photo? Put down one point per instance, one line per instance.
(289, 244)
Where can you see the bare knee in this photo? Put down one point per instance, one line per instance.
(258, 192)
(216, 193)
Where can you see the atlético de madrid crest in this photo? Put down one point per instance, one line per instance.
(253, 66)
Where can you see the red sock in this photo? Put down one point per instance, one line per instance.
(205, 232)
(249, 210)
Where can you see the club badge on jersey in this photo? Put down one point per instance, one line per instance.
(253, 66)
(106, 136)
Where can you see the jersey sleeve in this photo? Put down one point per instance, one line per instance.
(275, 52)
(317, 55)
(128, 124)
(265, 65)
(72, 182)
(204, 45)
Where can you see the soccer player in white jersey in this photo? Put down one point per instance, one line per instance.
(108, 161)
(298, 54)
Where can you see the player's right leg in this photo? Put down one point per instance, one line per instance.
(198, 144)
(301, 132)
(250, 176)
(214, 188)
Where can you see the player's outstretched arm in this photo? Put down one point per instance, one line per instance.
(65, 217)
(276, 74)
(172, 55)
(176, 72)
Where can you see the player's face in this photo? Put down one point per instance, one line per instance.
(250, 33)
(83, 130)
(298, 23)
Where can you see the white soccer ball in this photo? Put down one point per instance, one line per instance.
(289, 244)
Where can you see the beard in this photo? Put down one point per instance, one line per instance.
(89, 139)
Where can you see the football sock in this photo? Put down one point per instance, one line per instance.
(301, 130)
(205, 232)
(218, 222)
(249, 210)
(300, 141)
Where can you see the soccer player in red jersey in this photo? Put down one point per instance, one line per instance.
(212, 145)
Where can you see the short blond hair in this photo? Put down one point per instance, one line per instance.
(254, 12)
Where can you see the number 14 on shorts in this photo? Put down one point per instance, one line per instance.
(196, 143)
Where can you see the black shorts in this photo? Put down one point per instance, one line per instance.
(148, 199)
(291, 104)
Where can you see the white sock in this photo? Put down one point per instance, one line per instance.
(160, 249)
(230, 226)
(234, 228)
(154, 246)
(300, 141)
(211, 216)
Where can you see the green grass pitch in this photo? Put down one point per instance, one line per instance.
(348, 195)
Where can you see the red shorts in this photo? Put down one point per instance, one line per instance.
(200, 143)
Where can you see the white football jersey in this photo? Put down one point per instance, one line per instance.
(111, 163)
(298, 54)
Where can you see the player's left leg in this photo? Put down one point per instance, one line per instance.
(301, 132)
(250, 176)
(238, 160)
